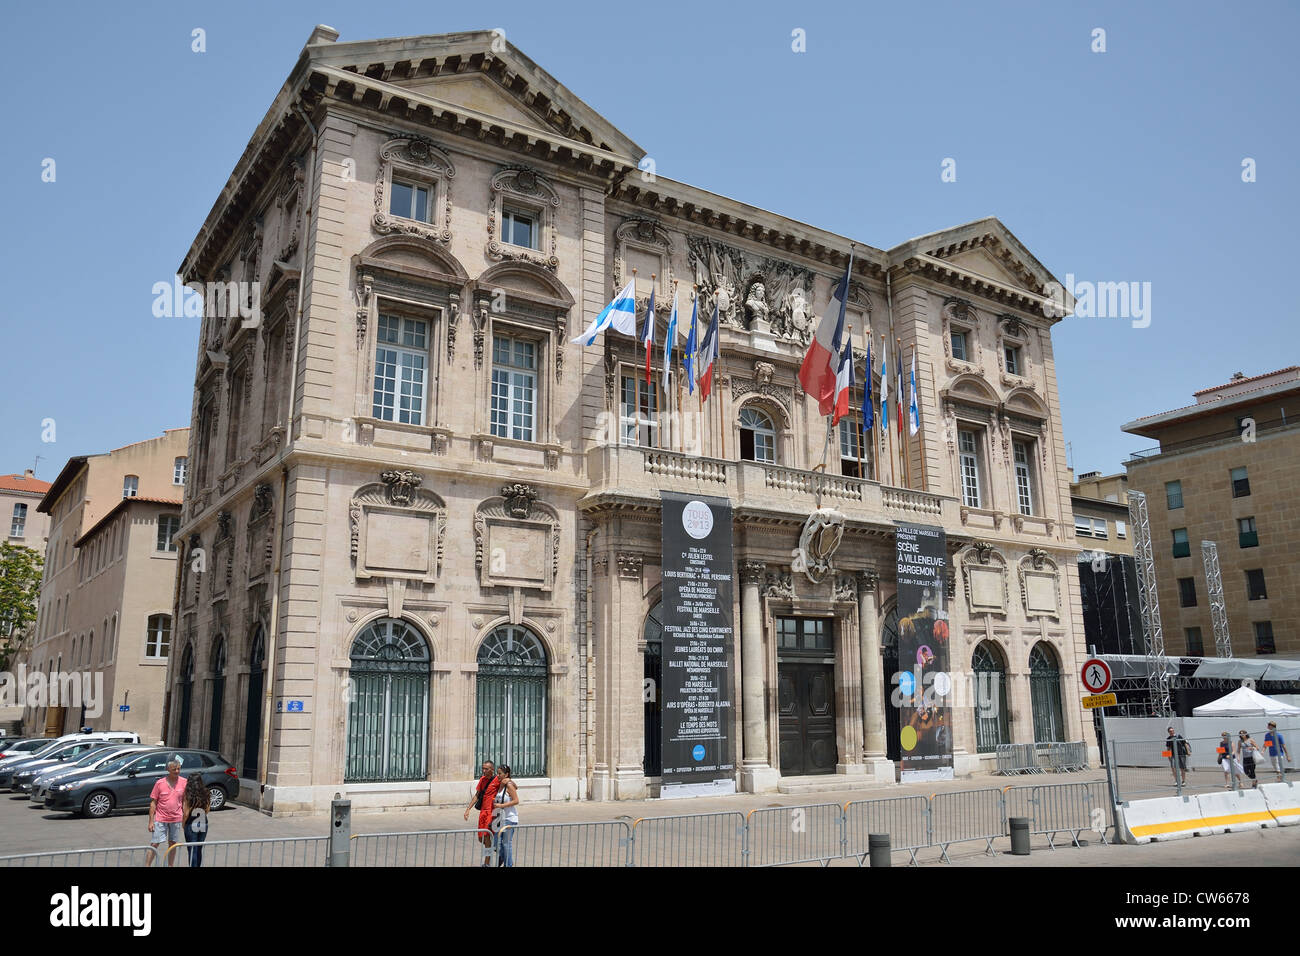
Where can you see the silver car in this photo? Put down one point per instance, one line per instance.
(90, 761)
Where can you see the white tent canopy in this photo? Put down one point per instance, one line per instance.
(1244, 702)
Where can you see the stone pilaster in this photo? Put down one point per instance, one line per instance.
(756, 772)
(874, 700)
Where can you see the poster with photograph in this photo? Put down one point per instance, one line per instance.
(924, 681)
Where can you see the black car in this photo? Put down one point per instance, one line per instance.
(126, 782)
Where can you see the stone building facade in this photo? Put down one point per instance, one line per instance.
(1225, 471)
(423, 525)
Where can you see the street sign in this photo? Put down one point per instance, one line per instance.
(1099, 700)
(123, 708)
(292, 706)
(1096, 675)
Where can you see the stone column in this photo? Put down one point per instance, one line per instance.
(756, 772)
(873, 701)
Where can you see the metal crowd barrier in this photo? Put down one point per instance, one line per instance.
(959, 816)
(907, 820)
(778, 836)
(281, 851)
(699, 839)
(417, 848)
(1065, 808)
(1042, 757)
(572, 844)
(112, 856)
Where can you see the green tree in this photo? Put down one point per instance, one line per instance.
(20, 584)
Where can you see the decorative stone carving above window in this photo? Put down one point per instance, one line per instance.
(417, 159)
(757, 291)
(779, 585)
(648, 241)
(784, 394)
(1040, 585)
(1014, 333)
(523, 188)
(398, 529)
(517, 540)
(261, 538)
(984, 577)
(960, 316)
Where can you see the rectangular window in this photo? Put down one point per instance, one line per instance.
(401, 363)
(853, 451)
(519, 229)
(158, 638)
(168, 525)
(1194, 646)
(959, 351)
(1174, 494)
(130, 486)
(514, 387)
(638, 413)
(1083, 526)
(1240, 483)
(1182, 548)
(970, 468)
(1187, 592)
(1255, 588)
(1247, 533)
(1012, 354)
(1121, 529)
(1024, 484)
(1099, 528)
(1264, 637)
(179, 467)
(804, 633)
(409, 200)
(18, 526)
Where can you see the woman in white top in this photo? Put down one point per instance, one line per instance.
(506, 816)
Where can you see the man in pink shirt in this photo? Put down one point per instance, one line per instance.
(165, 813)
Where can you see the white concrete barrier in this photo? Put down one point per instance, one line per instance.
(1283, 801)
(1162, 818)
(1230, 812)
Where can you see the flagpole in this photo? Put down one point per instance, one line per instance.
(888, 432)
(904, 441)
(920, 443)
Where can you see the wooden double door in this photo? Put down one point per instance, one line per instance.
(806, 706)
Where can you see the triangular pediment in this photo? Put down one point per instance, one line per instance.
(981, 263)
(482, 72)
(985, 248)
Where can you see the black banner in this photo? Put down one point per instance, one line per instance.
(695, 690)
(924, 680)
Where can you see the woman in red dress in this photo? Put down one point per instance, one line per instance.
(485, 795)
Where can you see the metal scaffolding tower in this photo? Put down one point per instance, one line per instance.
(1218, 610)
(1157, 679)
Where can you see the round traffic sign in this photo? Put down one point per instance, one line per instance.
(1096, 675)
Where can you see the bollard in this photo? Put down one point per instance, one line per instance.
(878, 849)
(340, 830)
(1019, 836)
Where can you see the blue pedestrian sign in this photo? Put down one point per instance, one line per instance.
(295, 707)
(123, 708)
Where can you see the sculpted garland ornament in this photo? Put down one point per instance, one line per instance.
(822, 533)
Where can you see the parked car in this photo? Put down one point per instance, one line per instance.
(60, 753)
(126, 782)
(22, 745)
(36, 781)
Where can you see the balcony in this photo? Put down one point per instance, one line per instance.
(631, 474)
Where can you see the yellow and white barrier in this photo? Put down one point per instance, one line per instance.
(1174, 818)
(1162, 818)
(1230, 812)
(1283, 801)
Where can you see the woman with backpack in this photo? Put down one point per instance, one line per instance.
(198, 802)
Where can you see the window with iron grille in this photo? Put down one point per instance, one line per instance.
(388, 704)
(639, 413)
(514, 387)
(511, 694)
(1264, 637)
(991, 728)
(401, 370)
(1045, 695)
(970, 468)
(1174, 494)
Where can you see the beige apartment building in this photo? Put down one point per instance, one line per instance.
(109, 587)
(1100, 504)
(20, 497)
(424, 526)
(1225, 471)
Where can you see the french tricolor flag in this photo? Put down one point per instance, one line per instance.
(820, 364)
(843, 382)
(708, 352)
(648, 336)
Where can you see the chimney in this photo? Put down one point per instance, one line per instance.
(29, 473)
(1237, 376)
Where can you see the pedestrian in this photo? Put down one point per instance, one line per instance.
(1275, 744)
(1179, 750)
(166, 813)
(1247, 750)
(506, 817)
(1227, 760)
(198, 801)
(485, 794)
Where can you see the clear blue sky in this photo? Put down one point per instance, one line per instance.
(1115, 166)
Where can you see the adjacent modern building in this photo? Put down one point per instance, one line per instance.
(109, 586)
(423, 526)
(1225, 471)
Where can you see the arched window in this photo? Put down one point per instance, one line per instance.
(388, 707)
(757, 436)
(511, 723)
(253, 706)
(889, 662)
(186, 694)
(1045, 694)
(653, 632)
(990, 698)
(218, 693)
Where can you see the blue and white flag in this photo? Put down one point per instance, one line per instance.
(619, 315)
(914, 425)
(884, 394)
(692, 345)
(868, 408)
(669, 338)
